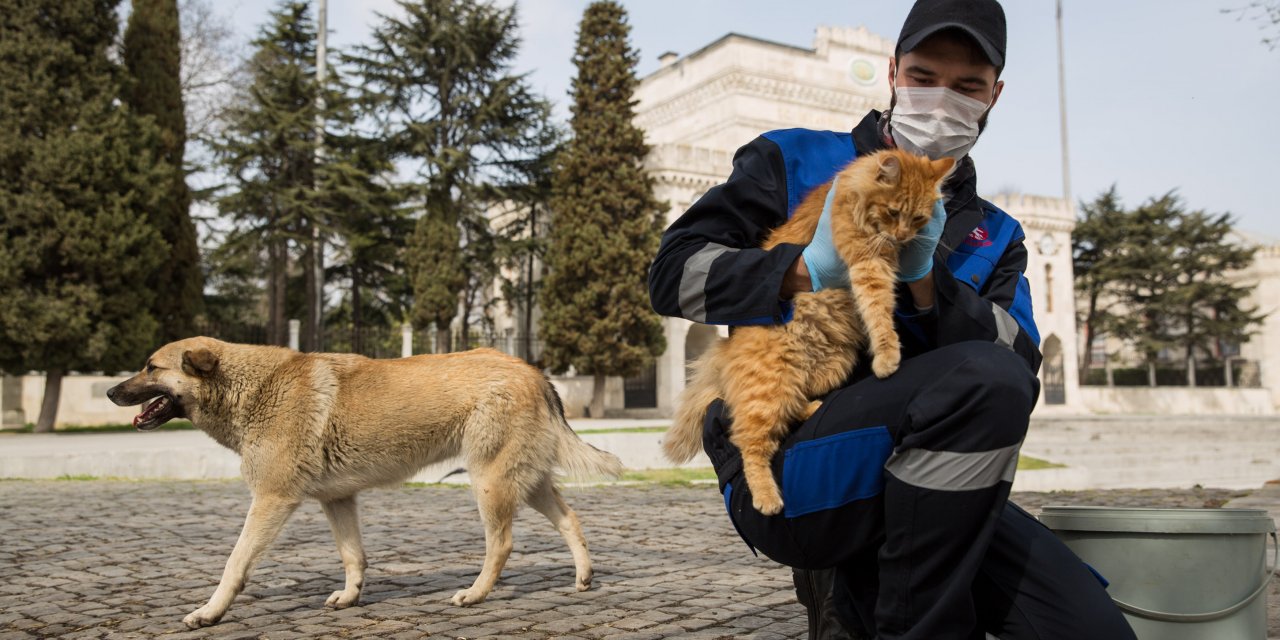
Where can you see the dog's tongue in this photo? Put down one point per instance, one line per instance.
(146, 413)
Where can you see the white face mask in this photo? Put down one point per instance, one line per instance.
(935, 121)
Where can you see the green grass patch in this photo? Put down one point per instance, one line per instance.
(670, 476)
(76, 478)
(172, 425)
(656, 429)
(1027, 463)
(421, 485)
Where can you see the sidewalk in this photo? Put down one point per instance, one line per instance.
(192, 455)
(1105, 452)
(113, 559)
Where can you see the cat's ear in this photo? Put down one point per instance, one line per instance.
(942, 167)
(890, 170)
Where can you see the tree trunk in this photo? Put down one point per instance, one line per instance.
(444, 339)
(464, 324)
(1191, 371)
(277, 279)
(1088, 335)
(49, 406)
(597, 396)
(318, 309)
(1151, 373)
(527, 329)
(1111, 376)
(309, 323)
(357, 316)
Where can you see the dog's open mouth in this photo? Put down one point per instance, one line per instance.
(158, 412)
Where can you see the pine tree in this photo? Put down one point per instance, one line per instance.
(77, 178)
(606, 223)
(268, 149)
(1145, 280)
(522, 233)
(440, 80)
(1206, 308)
(370, 233)
(1166, 269)
(1095, 248)
(152, 56)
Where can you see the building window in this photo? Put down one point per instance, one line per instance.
(1048, 288)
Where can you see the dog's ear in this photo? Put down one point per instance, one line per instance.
(199, 362)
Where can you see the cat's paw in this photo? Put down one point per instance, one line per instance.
(769, 505)
(884, 364)
(811, 409)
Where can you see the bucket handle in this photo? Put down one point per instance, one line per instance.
(1214, 615)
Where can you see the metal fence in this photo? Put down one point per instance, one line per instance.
(388, 342)
(1242, 373)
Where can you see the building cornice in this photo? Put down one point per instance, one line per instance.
(735, 81)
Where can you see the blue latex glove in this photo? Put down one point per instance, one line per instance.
(826, 269)
(916, 259)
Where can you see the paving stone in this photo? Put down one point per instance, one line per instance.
(668, 565)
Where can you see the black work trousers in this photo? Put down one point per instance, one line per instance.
(902, 486)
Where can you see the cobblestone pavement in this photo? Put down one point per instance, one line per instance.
(103, 559)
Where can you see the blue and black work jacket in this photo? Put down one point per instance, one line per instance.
(710, 268)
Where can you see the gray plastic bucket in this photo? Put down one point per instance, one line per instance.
(1177, 574)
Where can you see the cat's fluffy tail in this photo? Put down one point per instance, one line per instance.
(683, 440)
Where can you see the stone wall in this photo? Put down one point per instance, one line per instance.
(1176, 401)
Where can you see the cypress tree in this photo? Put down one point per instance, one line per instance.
(152, 50)
(606, 223)
(77, 178)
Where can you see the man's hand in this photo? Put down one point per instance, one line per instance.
(826, 269)
(916, 260)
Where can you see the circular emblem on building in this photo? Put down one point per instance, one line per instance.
(862, 72)
(1048, 245)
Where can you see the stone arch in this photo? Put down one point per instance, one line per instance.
(699, 338)
(1053, 371)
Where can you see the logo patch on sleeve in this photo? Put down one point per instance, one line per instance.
(979, 237)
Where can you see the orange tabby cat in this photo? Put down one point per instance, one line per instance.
(767, 374)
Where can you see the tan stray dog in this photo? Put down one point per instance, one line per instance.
(327, 426)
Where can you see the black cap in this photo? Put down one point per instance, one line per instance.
(982, 19)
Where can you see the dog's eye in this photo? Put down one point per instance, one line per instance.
(150, 367)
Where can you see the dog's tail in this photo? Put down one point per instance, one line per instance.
(684, 439)
(577, 458)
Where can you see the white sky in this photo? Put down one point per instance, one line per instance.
(1161, 94)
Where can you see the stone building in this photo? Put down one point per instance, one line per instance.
(1264, 348)
(696, 110)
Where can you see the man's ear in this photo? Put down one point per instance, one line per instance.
(199, 362)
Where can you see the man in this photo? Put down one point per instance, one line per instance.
(896, 490)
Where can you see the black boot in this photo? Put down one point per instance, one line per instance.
(815, 589)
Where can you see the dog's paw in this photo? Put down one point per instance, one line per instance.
(201, 617)
(467, 597)
(342, 599)
(584, 582)
(884, 364)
